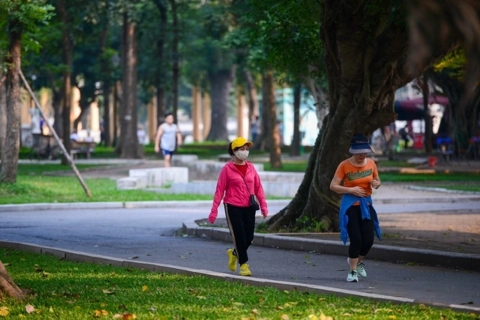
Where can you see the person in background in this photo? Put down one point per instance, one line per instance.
(405, 134)
(74, 135)
(255, 128)
(355, 178)
(167, 138)
(89, 137)
(237, 180)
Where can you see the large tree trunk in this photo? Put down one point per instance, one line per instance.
(12, 137)
(67, 52)
(130, 148)
(8, 288)
(175, 59)
(273, 136)
(220, 84)
(3, 111)
(363, 74)
(161, 109)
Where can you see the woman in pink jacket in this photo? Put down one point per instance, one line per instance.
(236, 182)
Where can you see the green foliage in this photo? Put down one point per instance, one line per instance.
(68, 290)
(25, 17)
(454, 63)
(284, 35)
(309, 224)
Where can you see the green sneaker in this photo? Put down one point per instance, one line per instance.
(244, 270)
(232, 260)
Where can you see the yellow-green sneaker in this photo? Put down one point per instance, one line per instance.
(244, 270)
(232, 260)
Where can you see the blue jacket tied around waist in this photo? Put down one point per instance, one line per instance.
(347, 201)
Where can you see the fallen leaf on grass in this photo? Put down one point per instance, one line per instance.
(108, 291)
(3, 311)
(29, 308)
(99, 313)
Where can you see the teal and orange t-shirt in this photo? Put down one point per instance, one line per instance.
(353, 176)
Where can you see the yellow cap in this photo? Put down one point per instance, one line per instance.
(240, 142)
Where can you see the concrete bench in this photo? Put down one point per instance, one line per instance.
(82, 148)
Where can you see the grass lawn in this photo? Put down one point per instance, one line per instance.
(33, 186)
(68, 290)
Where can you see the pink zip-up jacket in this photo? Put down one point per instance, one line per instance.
(232, 189)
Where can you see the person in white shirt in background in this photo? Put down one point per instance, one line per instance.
(167, 139)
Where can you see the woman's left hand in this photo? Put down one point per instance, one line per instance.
(375, 183)
(264, 215)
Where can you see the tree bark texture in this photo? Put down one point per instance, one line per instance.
(364, 68)
(273, 134)
(220, 84)
(67, 52)
(12, 137)
(161, 109)
(130, 148)
(3, 111)
(7, 285)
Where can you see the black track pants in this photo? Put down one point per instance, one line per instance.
(361, 232)
(241, 222)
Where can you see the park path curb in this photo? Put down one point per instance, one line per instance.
(206, 203)
(394, 254)
(78, 256)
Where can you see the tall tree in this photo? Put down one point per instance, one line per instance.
(364, 45)
(297, 96)
(175, 58)
(162, 26)
(273, 137)
(3, 110)
(221, 64)
(67, 57)
(19, 18)
(129, 146)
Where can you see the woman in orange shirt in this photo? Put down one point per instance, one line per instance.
(355, 177)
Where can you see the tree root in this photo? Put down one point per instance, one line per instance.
(8, 287)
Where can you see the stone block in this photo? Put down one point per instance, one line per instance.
(165, 177)
(129, 183)
(183, 159)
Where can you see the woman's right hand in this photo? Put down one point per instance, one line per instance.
(358, 191)
(157, 149)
